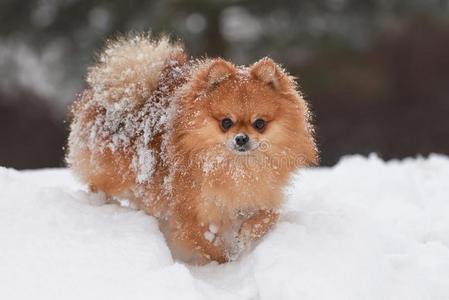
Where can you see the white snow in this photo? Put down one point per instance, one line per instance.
(364, 229)
(209, 236)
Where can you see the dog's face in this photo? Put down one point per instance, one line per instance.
(245, 115)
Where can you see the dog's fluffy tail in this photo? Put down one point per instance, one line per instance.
(130, 67)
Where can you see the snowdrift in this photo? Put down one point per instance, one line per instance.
(364, 229)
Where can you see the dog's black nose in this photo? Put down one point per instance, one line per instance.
(241, 139)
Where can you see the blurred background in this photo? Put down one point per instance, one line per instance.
(376, 73)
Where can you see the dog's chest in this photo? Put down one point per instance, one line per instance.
(225, 214)
(216, 207)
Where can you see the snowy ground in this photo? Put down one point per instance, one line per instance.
(364, 229)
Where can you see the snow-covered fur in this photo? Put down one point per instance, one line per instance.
(149, 128)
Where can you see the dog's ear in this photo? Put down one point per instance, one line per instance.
(218, 70)
(267, 71)
(210, 75)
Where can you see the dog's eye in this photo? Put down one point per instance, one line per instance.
(226, 123)
(259, 124)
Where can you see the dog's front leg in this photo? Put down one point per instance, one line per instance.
(191, 241)
(258, 225)
(251, 230)
(205, 246)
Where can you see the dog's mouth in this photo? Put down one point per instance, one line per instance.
(243, 150)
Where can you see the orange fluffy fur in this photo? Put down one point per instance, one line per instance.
(148, 128)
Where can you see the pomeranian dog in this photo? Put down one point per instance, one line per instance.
(203, 145)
